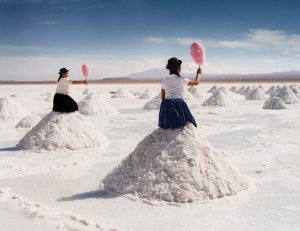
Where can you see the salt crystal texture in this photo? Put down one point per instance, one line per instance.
(93, 104)
(274, 103)
(175, 165)
(62, 131)
(28, 121)
(9, 109)
(287, 95)
(219, 98)
(213, 89)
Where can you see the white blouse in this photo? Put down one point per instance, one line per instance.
(174, 86)
(63, 86)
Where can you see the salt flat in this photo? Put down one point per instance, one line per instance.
(60, 190)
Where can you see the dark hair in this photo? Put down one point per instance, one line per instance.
(174, 72)
(60, 76)
(61, 72)
(173, 65)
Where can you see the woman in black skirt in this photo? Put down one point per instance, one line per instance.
(174, 112)
(62, 102)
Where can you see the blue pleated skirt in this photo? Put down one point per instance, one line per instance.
(174, 113)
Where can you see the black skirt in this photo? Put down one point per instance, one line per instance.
(64, 103)
(174, 113)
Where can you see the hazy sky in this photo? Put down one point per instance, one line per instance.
(119, 37)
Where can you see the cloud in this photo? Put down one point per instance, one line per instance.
(269, 61)
(156, 40)
(49, 22)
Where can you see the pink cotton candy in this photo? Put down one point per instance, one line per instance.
(198, 53)
(85, 70)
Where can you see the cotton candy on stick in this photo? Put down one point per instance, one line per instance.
(85, 69)
(198, 53)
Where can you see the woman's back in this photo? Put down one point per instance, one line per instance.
(174, 86)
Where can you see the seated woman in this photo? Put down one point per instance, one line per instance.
(62, 102)
(174, 112)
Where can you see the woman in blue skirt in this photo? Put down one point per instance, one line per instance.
(62, 102)
(174, 112)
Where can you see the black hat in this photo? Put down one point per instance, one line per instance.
(63, 71)
(173, 63)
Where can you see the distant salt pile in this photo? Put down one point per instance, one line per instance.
(287, 95)
(295, 89)
(28, 121)
(9, 109)
(175, 165)
(213, 89)
(87, 91)
(61, 131)
(148, 94)
(256, 94)
(248, 90)
(47, 93)
(260, 86)
(195, 91)
(187, 96)
(233, 89)
(93, 104)
(274, 103)
(138, 93)
(122, 93)
(219, 98)
(49, 97)
(153, 104)
(241, 90)
(271, 90)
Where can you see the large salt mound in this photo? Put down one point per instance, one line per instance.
(122, 93)
(62, 131)
(175, 165)
(148, 94)
(93, 104)
(271, 90)
(213, 89)
(256, 94)
(9, 109)
(274, 103)
(219, 98)
(287, 95)
(28, 121)
(195, 91)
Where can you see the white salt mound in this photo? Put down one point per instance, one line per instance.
(122, 93)
(87, 91)
(148, 94)
(271, 90)
(175, 165)
(49, 97)
(287, 95)
(62, 131)
(196, 92)
(256, 94)
(153, 104)
(9, 109)
(93, 104)
(233, 89)
(28, 121)
(213, 89)
(241, 90)
(219, 98)
(274, 103)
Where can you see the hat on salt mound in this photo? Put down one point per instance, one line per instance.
(62, 131)
(175, 165)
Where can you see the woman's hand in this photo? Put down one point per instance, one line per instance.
(199, 71)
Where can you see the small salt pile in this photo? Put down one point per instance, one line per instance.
(219, 98)
(9, 109)
(271, 90)
(87, 91)
(195, 91)
(256, 94)
(49, 97)
(93, 104)
(122, 93)
(175, 165)
(148, 94)
(287, 95)
(62, 131)
(233, 89)
(295, 89)
(274, 103)
(153, 104)
(213, 89)
(241, 90)
(28, 121)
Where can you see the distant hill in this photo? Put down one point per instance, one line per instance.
(158, 74)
